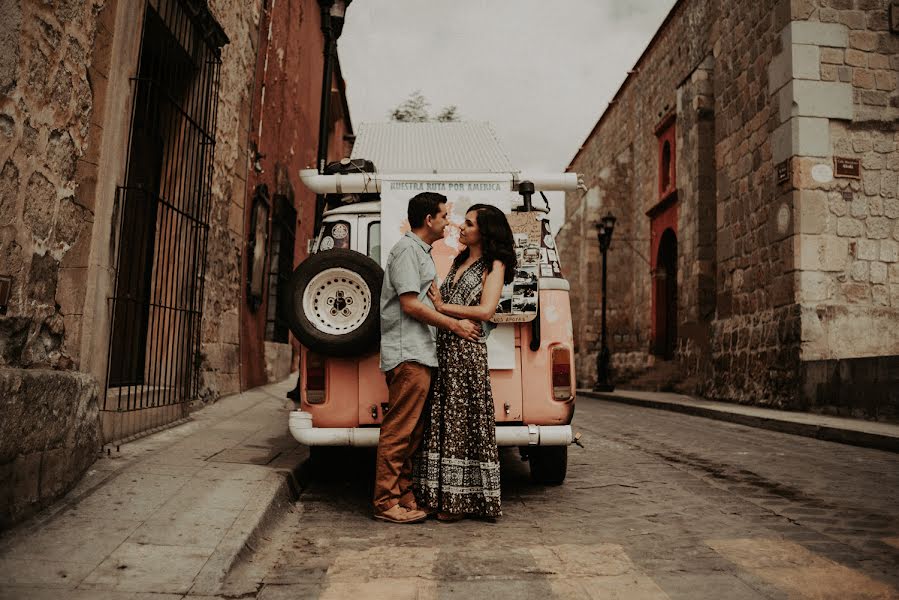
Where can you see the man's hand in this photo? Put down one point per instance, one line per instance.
(467, 330)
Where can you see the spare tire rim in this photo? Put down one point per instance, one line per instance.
(337, 301)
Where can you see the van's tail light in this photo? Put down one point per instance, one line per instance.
(315, 378)
(561, 373)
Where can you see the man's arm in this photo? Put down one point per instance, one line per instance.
(420, 311)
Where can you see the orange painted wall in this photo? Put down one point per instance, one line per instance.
(284, 139)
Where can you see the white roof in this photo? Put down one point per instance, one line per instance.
(459, 147)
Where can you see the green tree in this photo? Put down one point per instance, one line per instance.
(448, 114)
(414, 109)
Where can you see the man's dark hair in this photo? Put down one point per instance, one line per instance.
(422, 205)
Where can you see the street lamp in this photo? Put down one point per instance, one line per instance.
(333, 15)
(604, 228)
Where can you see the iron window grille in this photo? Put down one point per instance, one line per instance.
(162, 210)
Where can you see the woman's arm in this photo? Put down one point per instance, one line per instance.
(493, 289)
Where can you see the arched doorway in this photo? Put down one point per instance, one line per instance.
(665, 296)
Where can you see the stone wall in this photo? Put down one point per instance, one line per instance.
(65, 106)
(46, 105)
(620, 165)
(48, 437)
(220, 338)
(754, 257)
(49, 427)
(779, 283)
(846, 229)
(697, 222)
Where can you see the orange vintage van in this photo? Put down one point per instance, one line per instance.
(333, 296)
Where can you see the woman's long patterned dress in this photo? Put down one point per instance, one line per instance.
(457, 469)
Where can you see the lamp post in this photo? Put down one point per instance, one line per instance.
(604, 228)
(333, 14)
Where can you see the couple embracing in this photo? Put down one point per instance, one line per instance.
(437, 451)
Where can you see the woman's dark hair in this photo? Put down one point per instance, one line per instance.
(423, 205)
(496, 240)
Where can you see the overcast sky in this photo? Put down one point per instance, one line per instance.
(541, 72)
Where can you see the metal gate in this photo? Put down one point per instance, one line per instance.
(162, 220)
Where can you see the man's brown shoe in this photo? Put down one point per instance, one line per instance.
(398, 514)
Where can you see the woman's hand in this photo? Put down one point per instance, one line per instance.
(436, 298)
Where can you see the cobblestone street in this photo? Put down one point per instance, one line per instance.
(658, 505)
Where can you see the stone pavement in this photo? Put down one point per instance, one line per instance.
(657, 505)
(858, 432)
(169, 513)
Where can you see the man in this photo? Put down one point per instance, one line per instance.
(408, 354)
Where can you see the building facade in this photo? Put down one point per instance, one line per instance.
(126, 177)
(751, 160)
(283, 138)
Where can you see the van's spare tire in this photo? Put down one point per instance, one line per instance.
(332, 302)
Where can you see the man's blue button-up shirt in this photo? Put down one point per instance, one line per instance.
(410, 268)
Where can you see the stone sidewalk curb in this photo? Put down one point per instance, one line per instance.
(832, 429)
(275, 494)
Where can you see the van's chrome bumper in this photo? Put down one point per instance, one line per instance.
(513, 435)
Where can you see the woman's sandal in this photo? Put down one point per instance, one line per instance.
(446, 517)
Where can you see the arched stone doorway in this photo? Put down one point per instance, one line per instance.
(664, 279)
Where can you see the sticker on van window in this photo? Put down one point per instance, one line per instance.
(340, 231)
(336, 234)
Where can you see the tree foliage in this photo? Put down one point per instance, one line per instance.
(414, 109)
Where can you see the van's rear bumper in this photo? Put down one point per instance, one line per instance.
(512, 435)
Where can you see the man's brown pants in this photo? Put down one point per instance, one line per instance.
(402, 428)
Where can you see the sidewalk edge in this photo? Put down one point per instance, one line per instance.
(831, 434)
(272, 498)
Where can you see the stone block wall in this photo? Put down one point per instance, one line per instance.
(48, 437)
(846, 241)
(779, 283)
(620, 165)
(49, 426)
(220, 332)
(755, 342)
(46, 104)
(697, 218)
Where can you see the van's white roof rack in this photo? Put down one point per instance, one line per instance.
(370, 183)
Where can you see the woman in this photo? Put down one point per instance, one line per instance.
(458, 468)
